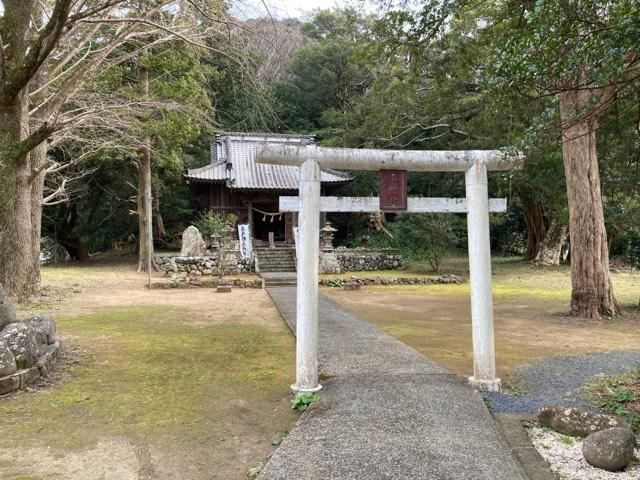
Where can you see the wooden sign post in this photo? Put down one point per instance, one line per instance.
(393, 190)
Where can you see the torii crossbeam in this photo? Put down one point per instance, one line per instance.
(309, 203)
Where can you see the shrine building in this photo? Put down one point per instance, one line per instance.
(234, 182)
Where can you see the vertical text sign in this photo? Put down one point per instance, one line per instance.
(393, 189)
(244, 235)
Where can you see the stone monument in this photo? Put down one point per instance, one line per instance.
(192, 243)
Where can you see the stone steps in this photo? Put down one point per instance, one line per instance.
(276, 259)
(279, 279)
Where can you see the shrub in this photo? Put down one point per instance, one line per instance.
(419, 237)
(425, 237)
(210, 223)
(302, 401)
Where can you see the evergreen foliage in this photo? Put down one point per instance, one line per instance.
(440, 75)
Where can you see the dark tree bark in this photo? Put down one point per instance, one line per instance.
(551, 248)
(536, 223)
(75, 248)
(66, 234)
(159, 220)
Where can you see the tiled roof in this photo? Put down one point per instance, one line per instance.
(233, 160)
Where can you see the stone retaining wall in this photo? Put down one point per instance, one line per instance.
(340, 282)
(357, 260)
(334, 261)
(206, 265)
(27, 348)
(28, 376)
(184, 281)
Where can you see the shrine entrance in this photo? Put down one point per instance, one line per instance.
(392, 165)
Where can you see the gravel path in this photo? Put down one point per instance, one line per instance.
(555, 380)
(564, 454)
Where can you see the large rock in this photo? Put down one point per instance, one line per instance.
(576, 422)
(7, 314)
(610, 449)
(192, 243)
(52, 252)
(45, 327)
(7, 361)
(21, 339)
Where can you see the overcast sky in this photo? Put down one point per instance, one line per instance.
(285, 8)
(291, 8)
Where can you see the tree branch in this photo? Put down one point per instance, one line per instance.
(38, 51)
(33, 140)
(93, 11)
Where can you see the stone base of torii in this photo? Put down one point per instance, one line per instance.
(309, 204)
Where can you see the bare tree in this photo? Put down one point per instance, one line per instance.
(48, 51)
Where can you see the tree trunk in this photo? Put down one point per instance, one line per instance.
(159, 221)
(146, 262)
(16, 237)
(592, 291)
(38, 158)
(551, 248)
(536, 223)
(75, 248)
(20, 191)
(145, 249)
(66, 235)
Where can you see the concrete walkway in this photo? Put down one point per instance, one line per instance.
(386, 412)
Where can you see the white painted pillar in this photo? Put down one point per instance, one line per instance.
(308, 250)
(484, 363)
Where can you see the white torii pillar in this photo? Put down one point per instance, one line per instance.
(474, 163)
(484, 357)
(308, 250)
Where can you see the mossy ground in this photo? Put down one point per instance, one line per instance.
(145, 360)
(195, 378)
(530, 310)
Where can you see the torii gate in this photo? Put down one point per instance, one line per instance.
(475, 164)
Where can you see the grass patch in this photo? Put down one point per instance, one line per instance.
(49, 298)
(619, 394)
(513, 277)
(151, 373)
(500, 290)
(531, 306)
(404, 273)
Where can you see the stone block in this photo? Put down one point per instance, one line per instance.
(29, 376)
(576, 422)
(9, 384)
(45, 327)
(21, 339)
(223, 289)
(7, 361)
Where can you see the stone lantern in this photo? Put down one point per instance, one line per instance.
(326, 237)
(221, 244)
